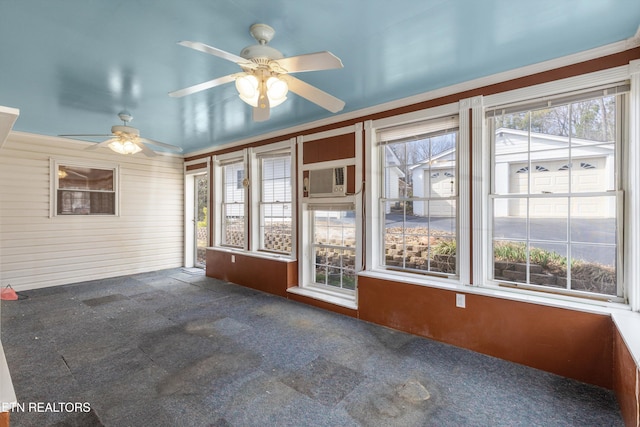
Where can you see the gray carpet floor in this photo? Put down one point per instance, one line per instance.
(175, 348)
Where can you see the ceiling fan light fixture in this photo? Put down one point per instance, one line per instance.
(124, 146)
(277, 90)
(248, 89)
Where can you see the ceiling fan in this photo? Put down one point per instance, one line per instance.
(125, 139)
(265, 78)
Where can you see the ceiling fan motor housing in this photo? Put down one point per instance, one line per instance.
(121, 130)
(258, 51)
(263, 35)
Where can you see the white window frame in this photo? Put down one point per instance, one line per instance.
(616, 192)
(474, 190)
(284, 148)
(630, 183)
(250, 158)
(374, 179)
(220, 162)
(306, 286)
(442, 124)
(55, 164)
(311, 283)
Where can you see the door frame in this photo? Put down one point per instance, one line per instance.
(191, 170)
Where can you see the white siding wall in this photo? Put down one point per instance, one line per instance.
(39, 251)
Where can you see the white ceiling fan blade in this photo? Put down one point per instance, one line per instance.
(145, 150)
(310, 62)
(218, 52)
(313, 94)
(203, 86)
(161, 144)
(101, 144)
(101, 135)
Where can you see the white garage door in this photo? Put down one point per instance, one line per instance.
(553, 177)
(443, 184)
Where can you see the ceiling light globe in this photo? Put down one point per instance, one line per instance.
(247, 86)
(276, 91)
(129, 147)
(124, 147)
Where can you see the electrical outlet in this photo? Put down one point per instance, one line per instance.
(233, 258)
(460, 300)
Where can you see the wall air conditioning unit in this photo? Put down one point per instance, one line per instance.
(327, 182)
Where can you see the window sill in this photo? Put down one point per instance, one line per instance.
(336, 298)
(264, 255)
(628, 324)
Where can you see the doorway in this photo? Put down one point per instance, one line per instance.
(196, 218)
(201, 220)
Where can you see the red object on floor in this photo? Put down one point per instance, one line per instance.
(8, 294)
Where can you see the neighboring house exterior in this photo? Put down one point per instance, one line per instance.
(591, 170)
(394, 177)
(435, 177)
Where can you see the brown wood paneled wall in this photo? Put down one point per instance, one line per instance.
(263, 274)
(332, 148)
(625, 375)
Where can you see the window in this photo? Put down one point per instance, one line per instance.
(84, 190)
(275, 203)
(253, 199)
(559, 230)
(419, 196)
(334, 247)
(233, 204)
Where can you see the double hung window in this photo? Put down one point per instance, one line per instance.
(334, 246)
(84, 190)
(253, 200)
(275, 202)
(419, 196)
(233, 204)
(556, 194)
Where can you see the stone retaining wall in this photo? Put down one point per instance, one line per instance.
(517, 272)
(417, 257)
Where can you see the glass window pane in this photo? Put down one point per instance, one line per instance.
(549, 219)
(595, 229)
(510, 218)
(334, 249)
(84, 178)
(85, 191)
(233, 225)
(420, 183)
(593, 268)
(276, 179)
(233, 188)
(550, 121)
(594, 120)
(275, 206)
(570, 152)
(276, 228)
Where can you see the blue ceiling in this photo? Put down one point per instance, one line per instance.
(71, 65)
